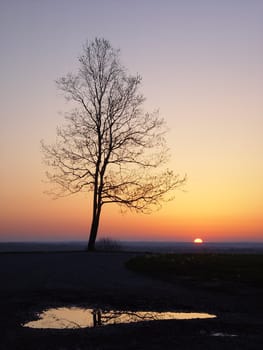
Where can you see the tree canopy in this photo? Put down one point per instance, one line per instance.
(109, 146)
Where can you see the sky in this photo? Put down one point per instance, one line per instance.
(202, 66)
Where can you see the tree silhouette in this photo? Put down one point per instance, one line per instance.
(108, 145)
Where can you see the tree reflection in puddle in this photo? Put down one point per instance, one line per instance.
(73, 317)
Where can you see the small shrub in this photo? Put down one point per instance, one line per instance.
(108, 244)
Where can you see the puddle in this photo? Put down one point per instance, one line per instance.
(219, 334)
(74, 317)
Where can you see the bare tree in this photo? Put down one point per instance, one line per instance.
(108, 145)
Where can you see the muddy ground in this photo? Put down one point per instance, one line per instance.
(32, 282)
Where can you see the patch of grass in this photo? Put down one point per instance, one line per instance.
(236, 268)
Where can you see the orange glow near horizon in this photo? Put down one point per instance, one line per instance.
(69, 218)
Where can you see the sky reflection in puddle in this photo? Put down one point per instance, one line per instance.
(74, 317)
(220, 334)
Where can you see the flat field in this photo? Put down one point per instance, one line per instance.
(234, 269)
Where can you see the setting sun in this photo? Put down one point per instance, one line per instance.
(198, 241)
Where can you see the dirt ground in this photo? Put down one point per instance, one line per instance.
(32, 282)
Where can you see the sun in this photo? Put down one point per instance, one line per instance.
(198, 241)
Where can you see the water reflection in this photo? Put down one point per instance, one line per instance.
(73, 317)
(220, 334)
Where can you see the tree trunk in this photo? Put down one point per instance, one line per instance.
(94, 230)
